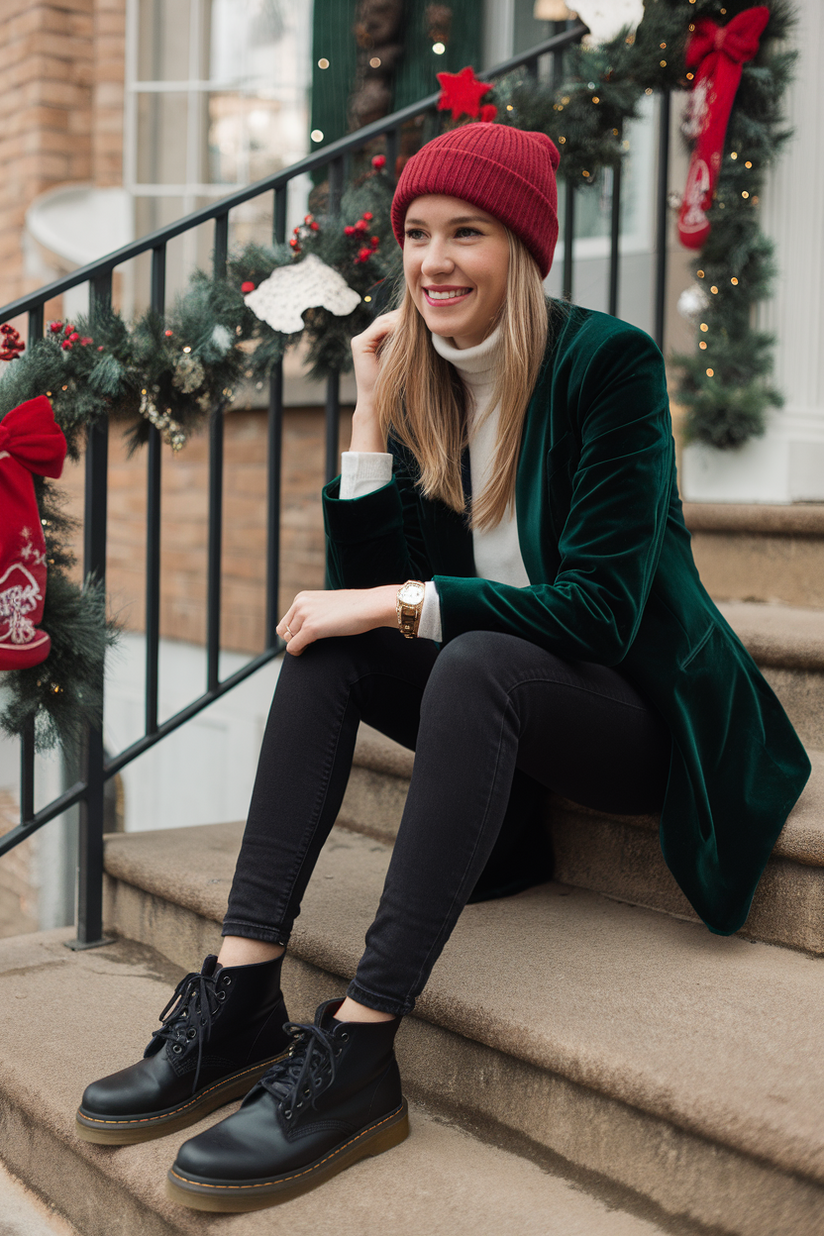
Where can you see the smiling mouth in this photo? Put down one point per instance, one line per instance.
(440, 296)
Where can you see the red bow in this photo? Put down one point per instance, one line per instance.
(30, 434)
(739, 39)
(719, 52)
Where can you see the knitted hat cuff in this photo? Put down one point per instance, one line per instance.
(515, 182)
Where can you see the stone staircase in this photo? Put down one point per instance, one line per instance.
(587, 1058)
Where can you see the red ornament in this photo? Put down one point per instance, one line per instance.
(363, 255)
(367, 214)
(168, 333)
(74, 337)
(378, 162)
(461, 93)
(67, 345)
(315, 226)
(294, 244)
(376, 240)
(55, 327)
(718, 52)
(87, 339)
(68, 329)
(488, 113)
(100, 347)
(247, 287)
(348, 231)
(30, 442)
(361, 225)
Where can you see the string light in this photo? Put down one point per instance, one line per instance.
(748, 164)
(710, 373)
(734, 281)
(316, 135)
(367, 299)
(714, 290)
(509, 107)
(375, 62)
(595, 99)
(323, 63)
(662, 64)
(690, 76)
(745, 193)
(700, 274)
(187, 348)
(562, 140)
(733, 154)
(704, 326)
(438, 48)
(702, 345)
(648, 90)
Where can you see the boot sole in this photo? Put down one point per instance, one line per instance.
(225, 1196)
(126, 1130)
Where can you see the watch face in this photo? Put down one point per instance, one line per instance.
(411, 594)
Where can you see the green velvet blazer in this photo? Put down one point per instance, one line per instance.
(612, 580)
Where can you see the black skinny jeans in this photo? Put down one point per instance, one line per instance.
(483, 707)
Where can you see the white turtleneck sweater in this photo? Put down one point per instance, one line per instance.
(496, 550)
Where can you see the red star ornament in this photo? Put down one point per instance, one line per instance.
(461, 92)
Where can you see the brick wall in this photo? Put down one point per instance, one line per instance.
(185, 529)
(61, 111)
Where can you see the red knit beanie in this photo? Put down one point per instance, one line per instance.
(509, 173)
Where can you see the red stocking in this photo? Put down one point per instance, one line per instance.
(30, 441)
(720, 51)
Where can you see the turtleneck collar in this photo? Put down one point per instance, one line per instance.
(475, 365)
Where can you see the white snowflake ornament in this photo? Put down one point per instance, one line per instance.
(606, 18)
(692, 301)
(284, 297)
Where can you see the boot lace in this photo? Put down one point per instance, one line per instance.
(188, 1016)
(307, 1070)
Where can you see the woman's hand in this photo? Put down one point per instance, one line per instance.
(344, 611)
(366, 435)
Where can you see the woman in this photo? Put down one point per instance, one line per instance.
(551, 632)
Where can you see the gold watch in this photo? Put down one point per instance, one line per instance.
(408, 606)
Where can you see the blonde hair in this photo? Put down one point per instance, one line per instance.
(421, 400)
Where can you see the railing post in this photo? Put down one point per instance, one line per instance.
(214, 553)
(569, 237)
(27, 772)
(332, 425)
(615, 241)
(662, 219)
(90, 838)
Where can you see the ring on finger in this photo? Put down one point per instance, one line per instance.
(289, 634)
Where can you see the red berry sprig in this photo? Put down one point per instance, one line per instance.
(299, 233)
(70, 336)
(359, 230)
(11, 344)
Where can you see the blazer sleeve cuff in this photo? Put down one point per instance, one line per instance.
(350, 521)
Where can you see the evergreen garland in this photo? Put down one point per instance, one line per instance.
(723, 385)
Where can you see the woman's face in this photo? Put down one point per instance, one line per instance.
(455, 260)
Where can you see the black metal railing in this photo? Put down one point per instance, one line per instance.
(96, 766)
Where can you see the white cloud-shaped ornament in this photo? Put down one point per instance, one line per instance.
(283, 298)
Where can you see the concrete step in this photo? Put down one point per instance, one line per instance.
(787, 643)
(619, 855)
(759, 552)
(637, 1048)
(66, 1017)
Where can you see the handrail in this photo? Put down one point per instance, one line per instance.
(278, 180)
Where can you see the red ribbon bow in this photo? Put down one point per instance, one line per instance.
(30, 434)
(718, 52)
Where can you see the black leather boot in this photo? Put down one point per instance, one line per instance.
(333, 1099)
(221, 1030)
